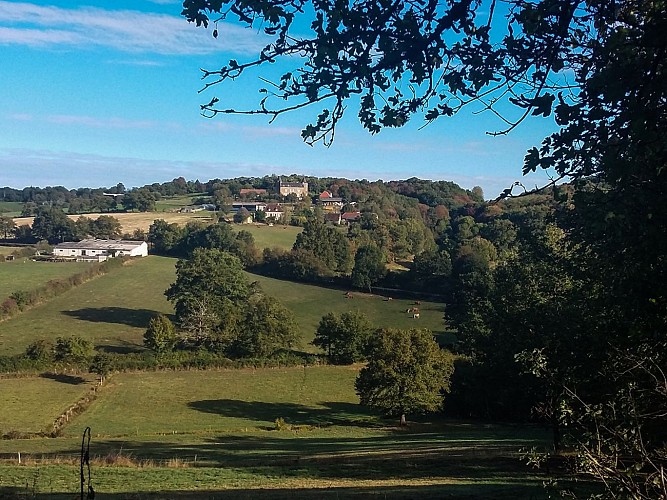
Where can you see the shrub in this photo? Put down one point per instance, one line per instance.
(40, 350)
(160, 335)
(9, 307)
(73, 350)
(22, 298)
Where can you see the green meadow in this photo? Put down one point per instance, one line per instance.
(183, 434)
(310, 302)
(271, 236)
(174, 203)
(30, 405)
(112, 310)
(11, 208)
(24, 274)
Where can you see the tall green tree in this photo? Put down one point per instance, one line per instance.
(163, 236)
(407, 373)
(7, 226)
(219, 308)
(344, 338)
(268, 326)
(160, 336)
(52, 225)
(210, 275)
(370, 266)
(326, 243)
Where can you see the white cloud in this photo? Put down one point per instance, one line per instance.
(96, 122)
(216, 127)
(126, 30)
(29, 167)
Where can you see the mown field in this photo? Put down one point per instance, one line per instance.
(6, 250)
(112, 310)
(25, 274)
(174, 203)
(271, 236)
(136, 220)
(213, 433)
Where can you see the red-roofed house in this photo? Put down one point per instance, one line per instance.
(329, 202)
(351, 216)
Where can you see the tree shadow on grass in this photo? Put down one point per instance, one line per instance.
(464, 491)
(121, 346)
(325, 414)
(64, 378)
(120, 315)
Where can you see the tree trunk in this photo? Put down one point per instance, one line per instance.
(403, 422)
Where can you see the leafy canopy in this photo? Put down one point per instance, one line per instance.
(407, 373)
(399, 58)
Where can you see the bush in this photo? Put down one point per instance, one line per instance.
(73, 350)
(9, 308)
(23, 298)
(40, 350)
(160, 335)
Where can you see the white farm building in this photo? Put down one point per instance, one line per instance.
(100, 250)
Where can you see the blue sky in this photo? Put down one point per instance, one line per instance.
(95, 93)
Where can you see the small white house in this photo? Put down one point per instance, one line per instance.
(100, 250)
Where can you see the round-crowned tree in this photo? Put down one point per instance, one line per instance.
(407, 373)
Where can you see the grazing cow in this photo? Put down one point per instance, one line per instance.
(415, 316)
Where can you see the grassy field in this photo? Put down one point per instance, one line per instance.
(30, 405)
(173, 203)
(137, 220)
(11, 208)
(225, 401)
(112, 310)
(212, 434)
(25, 274)
(309, 303)
(7, 250)
(271, 236)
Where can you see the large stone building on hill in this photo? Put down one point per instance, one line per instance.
(300, 189)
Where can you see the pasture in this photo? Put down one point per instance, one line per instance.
(310, 302)
(213, 434)
(271, 236)
(11, 208)
(24, 274)
(112, 310)
(6, 250)
(30, 405)
(175, 203)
